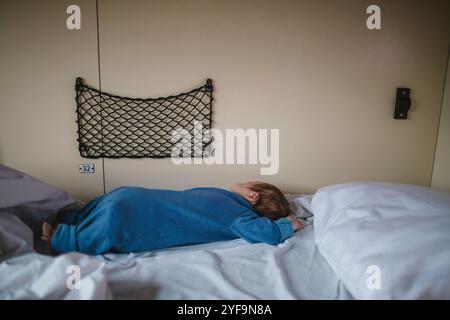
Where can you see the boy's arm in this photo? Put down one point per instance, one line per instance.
(261, 229)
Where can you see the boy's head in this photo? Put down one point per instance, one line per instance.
(265, 198)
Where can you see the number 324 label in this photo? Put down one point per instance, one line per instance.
(87, 168)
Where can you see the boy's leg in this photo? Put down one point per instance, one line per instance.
(98, 229)
(64, 238)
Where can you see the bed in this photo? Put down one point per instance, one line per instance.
(361, 241)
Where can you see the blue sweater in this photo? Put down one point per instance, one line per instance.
(133, 219)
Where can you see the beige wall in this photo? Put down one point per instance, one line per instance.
(39, 61)
(310, 68)
(441, 171)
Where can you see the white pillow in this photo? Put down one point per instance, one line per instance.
(385, 241)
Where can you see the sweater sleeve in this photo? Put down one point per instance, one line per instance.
(260, 229)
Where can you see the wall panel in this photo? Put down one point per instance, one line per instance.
(39, 61)
(310, 68)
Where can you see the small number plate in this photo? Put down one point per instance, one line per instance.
(87, 168)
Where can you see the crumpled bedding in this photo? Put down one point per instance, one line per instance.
(225, 270)
(30, 199)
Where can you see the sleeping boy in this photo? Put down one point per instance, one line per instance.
(133, 219)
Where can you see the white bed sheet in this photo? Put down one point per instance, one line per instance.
(229, 270)
(223, 270)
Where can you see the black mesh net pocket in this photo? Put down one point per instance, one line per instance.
(111, 126)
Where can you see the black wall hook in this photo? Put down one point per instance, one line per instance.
(402, 103)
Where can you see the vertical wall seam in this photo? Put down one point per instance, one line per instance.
(446, 80)
(100, 83)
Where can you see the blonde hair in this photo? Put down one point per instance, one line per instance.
(271, 203)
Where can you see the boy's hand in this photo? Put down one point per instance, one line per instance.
(296, 224)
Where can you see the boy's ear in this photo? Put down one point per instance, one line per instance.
(252, 197)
